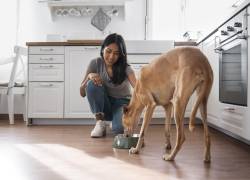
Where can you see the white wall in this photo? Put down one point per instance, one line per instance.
(8, 27)
(35, 23)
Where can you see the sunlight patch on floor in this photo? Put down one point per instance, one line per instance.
(68, 161)
(11, 165)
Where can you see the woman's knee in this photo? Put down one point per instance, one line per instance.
(91, 88)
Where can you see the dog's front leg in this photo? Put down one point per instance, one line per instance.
(146, 119)
(168, 112)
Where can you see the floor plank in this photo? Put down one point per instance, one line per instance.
(68, 152)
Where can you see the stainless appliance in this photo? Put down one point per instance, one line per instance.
(231, 44)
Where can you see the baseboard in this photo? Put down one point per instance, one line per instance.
(228, 133)
(6, 117)
(91, 121)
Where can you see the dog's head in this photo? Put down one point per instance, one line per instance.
(128, 120)
(132, 112)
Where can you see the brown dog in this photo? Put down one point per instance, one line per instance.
(169, 81)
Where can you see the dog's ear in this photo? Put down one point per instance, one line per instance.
(125, 109)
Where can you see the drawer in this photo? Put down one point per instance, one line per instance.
(46, 50)
(46, 72)
(46, 59)
(233, 117)
(46, 100)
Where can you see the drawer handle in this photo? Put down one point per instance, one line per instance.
(49, 66)
(229, 109)
(46, 84)
(46, 59)
(46, 49)
(90, 48)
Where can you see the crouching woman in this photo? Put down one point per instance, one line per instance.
(107, 84)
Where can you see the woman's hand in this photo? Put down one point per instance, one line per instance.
(95, 78)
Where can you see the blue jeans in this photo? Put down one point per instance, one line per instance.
(112, 108)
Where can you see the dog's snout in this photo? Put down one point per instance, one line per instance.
(126, 132)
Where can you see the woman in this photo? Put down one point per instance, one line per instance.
(107, 85)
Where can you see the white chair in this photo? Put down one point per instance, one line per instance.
(12, 87)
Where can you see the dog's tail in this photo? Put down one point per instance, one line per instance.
(202, 89)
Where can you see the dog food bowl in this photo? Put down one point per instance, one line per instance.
(123, 142)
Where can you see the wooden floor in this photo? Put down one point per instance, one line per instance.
(68, 152)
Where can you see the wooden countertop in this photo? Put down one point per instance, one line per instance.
(94, 43)
(67, 43)
(185, 43)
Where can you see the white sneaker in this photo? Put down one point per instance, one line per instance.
(99, 129)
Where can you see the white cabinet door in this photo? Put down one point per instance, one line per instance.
(46, 99)
(214, 110)
(77, 59)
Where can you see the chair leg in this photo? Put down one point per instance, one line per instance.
(11, 107)
(25, 117)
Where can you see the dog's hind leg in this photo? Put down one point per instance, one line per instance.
(146, 119)
(203, 110)
(179, 110)
(168, 112)
(195, 108)
(205, 89)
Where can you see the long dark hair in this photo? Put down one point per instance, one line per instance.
(119, 68)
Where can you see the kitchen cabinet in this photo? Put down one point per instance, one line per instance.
(46, 82)
(231, 119)
(46, 100)
(77, 59)
(55, 74)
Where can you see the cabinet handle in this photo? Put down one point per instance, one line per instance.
(46, 49)
(46, 85)
(229, 109)
(91, 48)
(46, 59)
(48, 66)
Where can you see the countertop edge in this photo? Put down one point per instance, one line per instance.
(95, 43)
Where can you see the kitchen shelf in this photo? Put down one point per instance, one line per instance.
(87, 3)
(93, 4)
